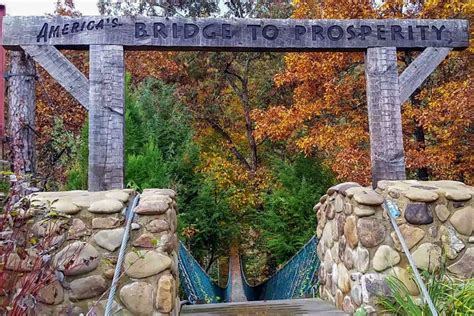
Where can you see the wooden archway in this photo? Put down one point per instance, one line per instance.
(106, 37)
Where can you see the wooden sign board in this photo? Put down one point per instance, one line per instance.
(232, 34)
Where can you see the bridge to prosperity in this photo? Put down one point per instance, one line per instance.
(39, 39)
